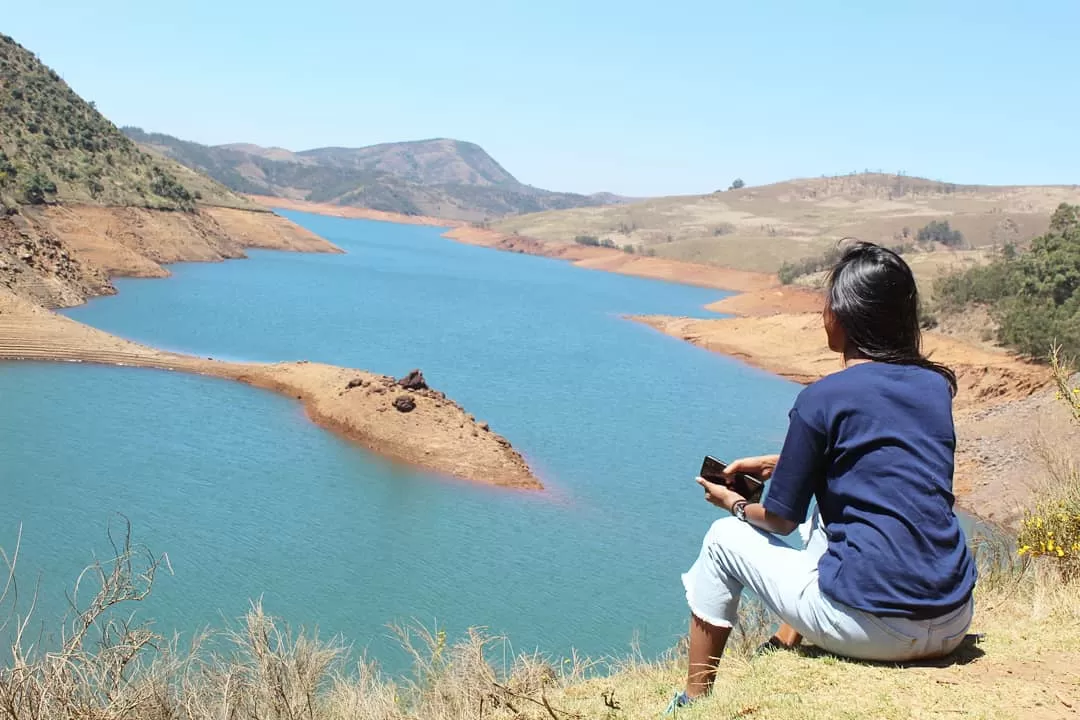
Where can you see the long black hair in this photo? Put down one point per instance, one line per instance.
(873, 296)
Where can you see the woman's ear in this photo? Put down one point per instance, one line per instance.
(833, 330)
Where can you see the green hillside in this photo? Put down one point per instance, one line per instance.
(441, 177)
(56, 147)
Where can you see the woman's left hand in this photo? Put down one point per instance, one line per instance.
(719, 494)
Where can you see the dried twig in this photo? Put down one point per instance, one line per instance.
(542, 702)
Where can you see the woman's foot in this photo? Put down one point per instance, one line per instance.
(785, 638)
(679, 701)
(773, 643)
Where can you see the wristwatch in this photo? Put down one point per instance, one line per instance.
(739, 509)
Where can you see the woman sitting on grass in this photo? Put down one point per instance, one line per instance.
(884, 573)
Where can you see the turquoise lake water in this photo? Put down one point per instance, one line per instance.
(249, 499)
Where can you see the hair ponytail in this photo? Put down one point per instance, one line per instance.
(873, 295)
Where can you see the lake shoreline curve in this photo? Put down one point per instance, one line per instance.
(1003, 408)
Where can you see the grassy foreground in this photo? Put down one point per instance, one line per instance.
(1025, 665)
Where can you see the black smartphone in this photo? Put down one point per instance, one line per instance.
(748, 486)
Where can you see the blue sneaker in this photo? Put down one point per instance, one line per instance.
(680, 700)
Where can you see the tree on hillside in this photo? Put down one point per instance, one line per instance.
(939, 231)
(7, 168)
(164, 185)
(737, 184)
(1035, 296)
(37, 189)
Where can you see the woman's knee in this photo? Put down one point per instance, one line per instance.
(726, 530)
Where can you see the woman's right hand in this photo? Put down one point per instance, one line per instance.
(760, 467)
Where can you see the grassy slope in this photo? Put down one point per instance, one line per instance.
(759, 228)
(48, 131)
(441, 177)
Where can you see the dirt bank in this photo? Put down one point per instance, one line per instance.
(1005, 410)
(775, 300)
(610, 260)
(436, 434)
(345, 211)
(60, 256)
(793, 346)
(593, 258)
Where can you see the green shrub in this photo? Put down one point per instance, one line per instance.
(790, 272)
(165, 186)
(628, 248)
(985, 284)
(737, 184)
(928, 319)
(590, 240)
(1052, 528)
(37, 189)
(7, 169)
(939, 231)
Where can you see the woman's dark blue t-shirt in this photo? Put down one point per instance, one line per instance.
(875, 444)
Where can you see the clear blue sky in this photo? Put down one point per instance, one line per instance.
(641, 98)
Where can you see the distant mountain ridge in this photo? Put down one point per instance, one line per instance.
(439, 177)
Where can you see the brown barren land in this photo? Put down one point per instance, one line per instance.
(62, 255)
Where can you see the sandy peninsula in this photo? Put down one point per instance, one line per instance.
(432, 432)
(61, 255)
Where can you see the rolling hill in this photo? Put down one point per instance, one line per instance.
(79, 201)
(441, 177)
(760, 228)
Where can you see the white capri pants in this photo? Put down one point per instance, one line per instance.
(736, 555)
